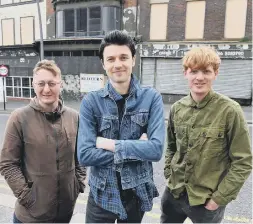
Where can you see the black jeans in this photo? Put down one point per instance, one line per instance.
(177, 210)
(96, 214)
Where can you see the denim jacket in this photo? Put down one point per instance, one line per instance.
(132, 157)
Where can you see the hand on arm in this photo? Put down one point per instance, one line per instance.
(145, 150)
(109, 144)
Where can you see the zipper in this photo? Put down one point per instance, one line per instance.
(57, 168)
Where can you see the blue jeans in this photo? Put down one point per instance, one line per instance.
(15, 219)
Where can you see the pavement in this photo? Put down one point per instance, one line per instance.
(12, 105)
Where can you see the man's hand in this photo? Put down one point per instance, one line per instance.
(144, 137)
(105, 143)
(109, 144)
(211, 205)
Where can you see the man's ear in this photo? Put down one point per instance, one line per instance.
(134, 58)
(216, 73)
(102, 62)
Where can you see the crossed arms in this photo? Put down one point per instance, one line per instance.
(98, 151)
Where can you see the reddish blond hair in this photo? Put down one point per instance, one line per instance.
(200, 58)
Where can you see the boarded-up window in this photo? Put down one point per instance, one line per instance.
(158, 21)
(6, 2)
(27, 30)
(195, 20)
(8, 31)
(235, 18)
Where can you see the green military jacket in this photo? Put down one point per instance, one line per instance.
(209, 152)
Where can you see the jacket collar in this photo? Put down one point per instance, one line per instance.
(188, 101)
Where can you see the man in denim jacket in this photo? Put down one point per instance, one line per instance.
(121, 132)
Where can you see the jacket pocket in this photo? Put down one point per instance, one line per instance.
(214, 142)
(139, 122)
(45, 201)
(105, 128)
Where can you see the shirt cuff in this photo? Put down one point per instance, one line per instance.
(219, 199)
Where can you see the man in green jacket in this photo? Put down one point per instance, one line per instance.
(208, 158)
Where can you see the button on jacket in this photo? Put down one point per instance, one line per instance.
(133, 157)
(209, 152)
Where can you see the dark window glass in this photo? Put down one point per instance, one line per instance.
(94, 21)
(69, 22)
(89, 53)
(66, 53)
(76, 53)
(47, 53)
(26, 93)
(17, 92)
(8, 81)
(25, 82)
(9, 91)
(17, 81)
(81, 20)
(33, 93)
(57, 53)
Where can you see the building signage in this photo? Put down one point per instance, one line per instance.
(4, 70)
(91, 82)
(230, 51)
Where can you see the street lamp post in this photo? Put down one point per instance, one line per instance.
(41, 32)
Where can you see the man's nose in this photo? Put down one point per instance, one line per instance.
(117, 63)
(46, 87)
(200, 75)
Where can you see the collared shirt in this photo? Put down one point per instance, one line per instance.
(209, 152)
(132, 158)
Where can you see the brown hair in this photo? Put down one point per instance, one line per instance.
(201, 58)
(49, 65)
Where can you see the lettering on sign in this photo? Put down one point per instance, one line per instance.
(91, 82)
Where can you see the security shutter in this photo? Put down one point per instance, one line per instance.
(166, 75)
(148, 72)
(170, 78)
(235, 79)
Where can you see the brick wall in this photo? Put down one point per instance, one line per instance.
(248, 32)
(176, 20)
(144, 25)
(214, 19)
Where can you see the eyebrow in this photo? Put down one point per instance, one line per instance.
(112, 56)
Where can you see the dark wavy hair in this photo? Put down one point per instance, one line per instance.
(117, 37)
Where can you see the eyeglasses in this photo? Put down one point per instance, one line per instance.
(50, 84)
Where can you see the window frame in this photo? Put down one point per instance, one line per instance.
(20, 87)
(88, 32)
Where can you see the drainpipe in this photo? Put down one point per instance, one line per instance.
(41, 32)
(137, 17)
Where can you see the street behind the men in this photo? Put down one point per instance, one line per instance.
(239, 211)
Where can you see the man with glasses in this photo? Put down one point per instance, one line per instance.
(38, 158)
